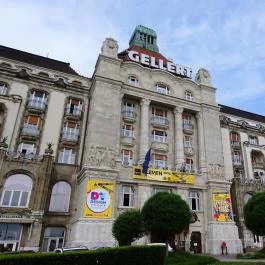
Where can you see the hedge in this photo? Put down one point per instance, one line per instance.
(137, 255)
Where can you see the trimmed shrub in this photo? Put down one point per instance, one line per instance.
(138, 255)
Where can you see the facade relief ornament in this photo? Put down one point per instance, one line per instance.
(216, 171)
(224, 119)
(100, 156)
(261, 128)
(110, 48)
(203, 77)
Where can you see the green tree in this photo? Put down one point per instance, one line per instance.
(164, 215)
(128, 227)
(254, 213)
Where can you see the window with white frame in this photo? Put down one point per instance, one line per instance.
(126, 157)
(37, 99)
(16, 191)
(159, 136)
(188, 165)
(53, 238)
(26, 148)
(253, 140)
(132, 80)
(66, 156)
(60, 197)
(127, 130)
(161, 88)
(194, 200)
(188, 95)
(74, 107)
(159, 116)
(187, 141)
(127, 198)
(71, 131)
(187, 119)
(32, 125)
(128, 106)
(236, 157)
(3, 89)
(159, 161)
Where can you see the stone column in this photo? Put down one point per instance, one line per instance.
(202, 158)
(144, 125)
(179, 149)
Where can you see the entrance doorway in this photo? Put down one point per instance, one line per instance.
(195, 242)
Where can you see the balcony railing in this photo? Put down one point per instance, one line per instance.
(187, 127)
(159, 139)
(70, 134)
(30, 129)
(127, 133)
(129, 114)
(75, 111)
(159, 120)
(37, 103)
(235, 144)
(237, 162)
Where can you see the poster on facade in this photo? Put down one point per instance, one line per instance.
(99, 197)
(157, 174)
(222, 207)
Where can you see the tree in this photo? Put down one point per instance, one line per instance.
(254, 213)
(164, 215)
(128, 227)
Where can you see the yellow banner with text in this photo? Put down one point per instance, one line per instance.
(99, 197)
(163, 175)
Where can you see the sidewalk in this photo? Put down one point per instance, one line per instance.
(234, 259)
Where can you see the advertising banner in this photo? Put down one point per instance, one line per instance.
(222, 207)
(163, 175)
(99, 198)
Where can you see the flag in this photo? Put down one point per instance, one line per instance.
(146, 161)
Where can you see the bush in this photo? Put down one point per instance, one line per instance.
(148, 255)
(185, 258)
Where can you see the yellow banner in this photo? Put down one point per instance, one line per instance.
(163, 175)
(99, 197)
(222, 207)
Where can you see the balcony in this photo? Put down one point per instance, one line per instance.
(30, 130)
(129, 115)
(188, 128)
(160, 122)
(159, 164)
(258, 165)
(127, 137)
(73, 111)
(188, 151)
(160, 146)
(37, 104)
(237, 162)
(70, 134)
(235, 144)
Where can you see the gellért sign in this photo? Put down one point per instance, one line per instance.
(159, 63)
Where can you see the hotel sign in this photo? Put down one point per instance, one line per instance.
(159, 63)
(163, 175)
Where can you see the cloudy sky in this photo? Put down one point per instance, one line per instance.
(226, 37)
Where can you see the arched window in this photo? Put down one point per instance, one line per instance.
(132, 80)
(16, 191)
(3, 89)
(247, 196)
(253, 139)
(188, 95)
(60, 199)
(161, 88)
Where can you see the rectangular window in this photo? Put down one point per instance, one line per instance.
(194, 200)
(159, 136)
(126, 157)
(159, 161)
(188, 165)
(234, 137)
(26, 149)
(187, 141)
(74, 107)
(156, 190)
(187, 119)
(127, 130)
(127, 196)
(66, 156)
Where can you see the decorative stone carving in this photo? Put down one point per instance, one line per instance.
(101, 156)
(3, 142)
(110, 48)
(216, 171)
(261, 128)
(60, 83)
(49, 150)
(203, 77)
(224, 119)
